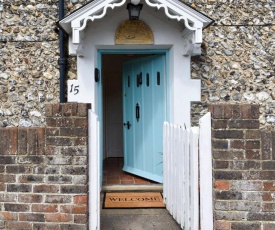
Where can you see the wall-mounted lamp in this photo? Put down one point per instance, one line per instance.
(134, 10)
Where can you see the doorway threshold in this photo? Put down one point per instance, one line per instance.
(116, 187)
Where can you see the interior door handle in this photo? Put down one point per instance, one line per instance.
(137, 112)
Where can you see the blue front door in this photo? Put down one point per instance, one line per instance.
(143, 116)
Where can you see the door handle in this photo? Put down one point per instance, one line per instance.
(128, 124)
(137, 112)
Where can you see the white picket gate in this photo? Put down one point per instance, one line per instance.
(94, 172)
(186, 155)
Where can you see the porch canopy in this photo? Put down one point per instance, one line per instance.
(193, 21)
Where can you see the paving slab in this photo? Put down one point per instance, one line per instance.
(137, 219)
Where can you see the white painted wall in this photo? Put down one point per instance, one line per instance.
(168, 35)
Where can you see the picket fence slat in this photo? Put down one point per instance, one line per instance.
(194, 178)
(181, 173)
(206, 202)
(94, 172)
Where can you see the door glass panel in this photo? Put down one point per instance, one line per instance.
(139, 79)
(147, 79)
(158, 78)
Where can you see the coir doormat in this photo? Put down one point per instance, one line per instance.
(133, 200)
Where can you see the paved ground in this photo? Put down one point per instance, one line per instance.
(137, 219)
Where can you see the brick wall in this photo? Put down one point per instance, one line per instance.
(43, 172)
(243, 169)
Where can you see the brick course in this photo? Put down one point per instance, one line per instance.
(243, 168)
(43, 171)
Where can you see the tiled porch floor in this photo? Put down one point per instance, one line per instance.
(113, 174)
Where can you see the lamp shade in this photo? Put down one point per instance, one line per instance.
(135, 2)
(134, 11)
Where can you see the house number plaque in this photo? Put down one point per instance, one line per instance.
(134, 32)
(74, 91)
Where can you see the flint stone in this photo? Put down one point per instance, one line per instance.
(36, 121)
(6, 123)
(14, 97)
(30, 7)
(224, 45)
(270, 119)
(262, 96)
(22, 89)
(230, 36)
(49, 97)
(237, 96)
(3, 89)
(35, 113)
(8, 112)
(3, 98)
(256, 67)
(214, 98)
(271, 104)
(235, 66)
(249, 96)
(25, 123)
(5, 76)
(228, 52)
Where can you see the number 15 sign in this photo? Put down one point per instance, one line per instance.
(73, 90)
